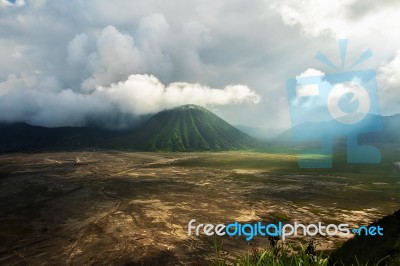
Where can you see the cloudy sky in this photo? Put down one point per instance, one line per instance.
(72, 62)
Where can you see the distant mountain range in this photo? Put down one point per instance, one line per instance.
(389, 131)
(184, 128)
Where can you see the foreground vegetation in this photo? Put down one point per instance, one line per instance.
(277, 255)
(364, 249)
(360, 250)
(302, 258)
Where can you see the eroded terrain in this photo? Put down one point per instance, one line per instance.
(121, 208)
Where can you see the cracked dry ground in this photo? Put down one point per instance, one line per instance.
(120, 208)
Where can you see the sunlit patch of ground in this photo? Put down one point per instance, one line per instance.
(121, 207)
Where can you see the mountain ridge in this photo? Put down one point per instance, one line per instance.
(183, 128)
(388, 133)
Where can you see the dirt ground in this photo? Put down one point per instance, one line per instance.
(121, 208)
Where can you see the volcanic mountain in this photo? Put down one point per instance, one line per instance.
(189, 128)
(184, 128)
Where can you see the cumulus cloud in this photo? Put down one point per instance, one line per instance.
(41, 100)
(142, 94)
(342, 18)
(311, 72)
(114, 68)
(109, 55)
(367, 22)
(303, 88)
(82, 46)
(115, 57)
(389, 84)
(78, 50)
(351, 93)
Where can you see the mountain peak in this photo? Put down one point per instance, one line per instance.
(189, 128)
(188, 107)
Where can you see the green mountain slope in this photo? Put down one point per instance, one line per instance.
(185, 128)
(189, 128)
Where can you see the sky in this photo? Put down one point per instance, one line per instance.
(70, 63)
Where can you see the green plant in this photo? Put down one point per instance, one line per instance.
(276, 255)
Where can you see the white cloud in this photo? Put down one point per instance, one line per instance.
(388, 77)
(78, 50)
(115, 69)
(109, 55)
(311, 72)
(203, 41)
(314, 17)
(342, 18)
(116, 57)
(142, 94)
(304, 89)
(389, 85)
(41, 101)
(370, 22)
